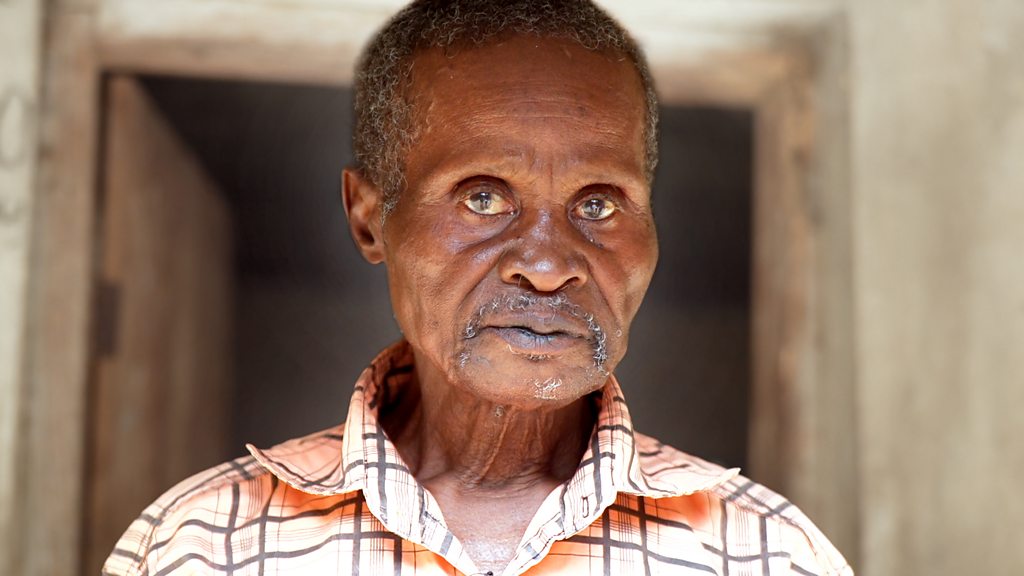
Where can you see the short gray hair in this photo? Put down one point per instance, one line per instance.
(383, 115)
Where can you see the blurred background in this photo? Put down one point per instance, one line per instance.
(838, 308)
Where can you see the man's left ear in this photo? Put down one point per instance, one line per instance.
(362, 201)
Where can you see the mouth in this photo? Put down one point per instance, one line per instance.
(539, 328)
(535, 341)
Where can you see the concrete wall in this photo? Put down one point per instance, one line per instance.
(938, 164)
(19, 77)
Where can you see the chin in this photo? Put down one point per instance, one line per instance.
(528, 380)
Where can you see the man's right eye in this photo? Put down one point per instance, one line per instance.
(488, 202)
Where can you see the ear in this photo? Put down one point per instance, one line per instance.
(363, 201)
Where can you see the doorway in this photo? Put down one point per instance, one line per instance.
(310, 313)
(299, 313)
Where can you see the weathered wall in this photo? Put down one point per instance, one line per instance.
(938, 161)
(19, 72)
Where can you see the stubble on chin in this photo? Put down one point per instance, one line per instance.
(573, 382)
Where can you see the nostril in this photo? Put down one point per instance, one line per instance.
(521, 281)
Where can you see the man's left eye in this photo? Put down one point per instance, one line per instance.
(595, 208)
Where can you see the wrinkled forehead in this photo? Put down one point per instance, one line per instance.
(526, 76)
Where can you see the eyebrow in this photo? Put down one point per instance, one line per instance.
(513, 170)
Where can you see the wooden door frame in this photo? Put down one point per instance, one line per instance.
(786, 60)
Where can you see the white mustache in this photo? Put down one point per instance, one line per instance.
(539, 305)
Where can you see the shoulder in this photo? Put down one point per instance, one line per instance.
(739, 521)
(780, 525)
(187, 524)
(201, 502)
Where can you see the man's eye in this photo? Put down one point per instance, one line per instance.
(488, 203)
(595, 208)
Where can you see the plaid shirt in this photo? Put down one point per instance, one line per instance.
(343, 502)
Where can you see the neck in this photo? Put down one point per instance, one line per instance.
(444, 433)
(488, 465)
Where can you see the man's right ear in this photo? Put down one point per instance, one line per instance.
(363, 202)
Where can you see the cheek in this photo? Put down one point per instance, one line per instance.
(409, 272)
(640, 275)
(634, 267)
(635, 258)
(430, 268)
(418, 292)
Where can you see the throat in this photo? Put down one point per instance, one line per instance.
(488, 466)
(487, 447)
(489, 524)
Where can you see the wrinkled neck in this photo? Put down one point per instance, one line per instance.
(441, 430)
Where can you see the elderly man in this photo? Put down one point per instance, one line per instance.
(505, 159)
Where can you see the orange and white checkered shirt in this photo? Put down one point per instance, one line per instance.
(343, 502)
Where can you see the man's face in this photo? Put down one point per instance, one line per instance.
(523, 244)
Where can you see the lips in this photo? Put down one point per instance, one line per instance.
(526, 341)
(537, 334)
(543, 322)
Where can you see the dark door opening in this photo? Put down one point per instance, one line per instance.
(224, 235)
(311, 313)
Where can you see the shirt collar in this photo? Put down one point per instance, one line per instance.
(360, 456)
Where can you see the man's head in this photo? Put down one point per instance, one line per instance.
(385, 128)
(522, 242)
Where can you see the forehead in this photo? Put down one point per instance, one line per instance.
(523, 96)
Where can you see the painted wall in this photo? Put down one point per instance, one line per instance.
(938, 181)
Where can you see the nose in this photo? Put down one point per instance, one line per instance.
(544, 257)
